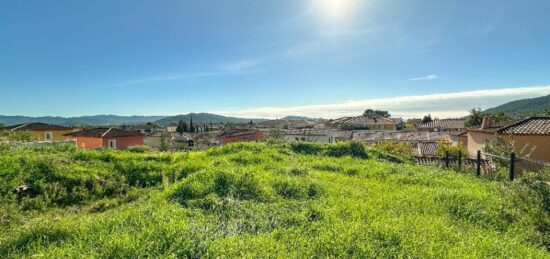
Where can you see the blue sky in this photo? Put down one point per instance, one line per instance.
(269, 58)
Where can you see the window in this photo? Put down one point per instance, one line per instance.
(112, 143)
(48, 136)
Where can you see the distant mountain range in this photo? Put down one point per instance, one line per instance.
(205, 118)
(102, 120)
(524, 107)
(97, 120)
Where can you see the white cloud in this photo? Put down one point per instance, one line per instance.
(446, 105)
(233, 68)
(170, 77)
(424, 78)
(240, 66)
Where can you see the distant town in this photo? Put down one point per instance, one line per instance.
(425, 136)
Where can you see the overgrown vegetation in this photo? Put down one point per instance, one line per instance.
(445, 146)
(19, 136)
(260, 200)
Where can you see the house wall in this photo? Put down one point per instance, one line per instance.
(542, 143)
(92, 143)
(477, 140)
(57, 134)
(125, 142)
(455, 140)
(87, 142)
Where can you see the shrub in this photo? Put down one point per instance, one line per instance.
(353, 149)
(400, 149)
(139, 149)
(306, 148)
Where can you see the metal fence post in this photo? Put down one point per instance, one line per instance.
(478, 163)
(459, 160)
(512, 165)
(447, 159)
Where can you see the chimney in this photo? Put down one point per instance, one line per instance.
(487, 123)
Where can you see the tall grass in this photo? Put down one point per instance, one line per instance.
(261, 200)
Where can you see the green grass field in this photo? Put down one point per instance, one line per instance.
(261, 200)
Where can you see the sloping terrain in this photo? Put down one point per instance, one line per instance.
(530, 107)
(260, 200)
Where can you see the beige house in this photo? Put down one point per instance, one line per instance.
(534, 131)
(42, 131)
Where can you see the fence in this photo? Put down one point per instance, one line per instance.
(515, 164)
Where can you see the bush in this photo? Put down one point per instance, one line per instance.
(139, 149)
(399, 149)
(353, 149)
(307, 148)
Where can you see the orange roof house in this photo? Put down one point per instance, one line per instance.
(42, 131)
(106, 138)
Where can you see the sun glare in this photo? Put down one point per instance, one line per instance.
(336, 9)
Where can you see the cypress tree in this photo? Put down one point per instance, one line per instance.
(181, 127)
(191, 127)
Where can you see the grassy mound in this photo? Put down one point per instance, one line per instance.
(261, 200)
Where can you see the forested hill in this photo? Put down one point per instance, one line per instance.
(533, 106)
(97, 120)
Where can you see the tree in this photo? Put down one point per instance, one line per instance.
(445, 146)
(251, 122)
(181, 127)
(163, 142)
(499, 117)
(427, 119)
(474, 119)
(191, 127)
(2, 125)
(376, 113)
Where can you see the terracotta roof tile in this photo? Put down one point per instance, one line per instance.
(398, 136)
(427, 148)
(531, 126)
(444, 124)
(37, 126)
(361, 120)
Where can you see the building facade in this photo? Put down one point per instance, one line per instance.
(106, 138)
(42, 131)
